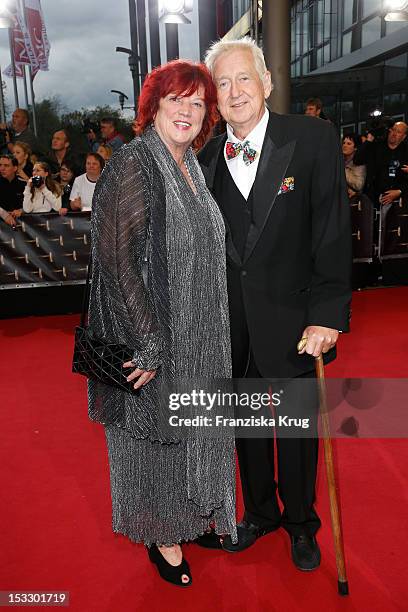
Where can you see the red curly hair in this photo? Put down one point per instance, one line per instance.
(180, 77)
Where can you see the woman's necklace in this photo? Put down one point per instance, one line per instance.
(189, 178)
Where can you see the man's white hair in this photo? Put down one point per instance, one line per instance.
(239, 44)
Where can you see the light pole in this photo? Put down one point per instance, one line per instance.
(133, 52)
(154, 35)
(173, 13)
(7, 21)
(141, 29)
(133, 60)
(122, 97)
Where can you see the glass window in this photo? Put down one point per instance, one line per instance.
(396, 69)
(394, 103)
(297, 68)
(327, 19)
(319, 57)
(305, 64)
(292, 70)
(347, 43)
(326, 53)
(370, 7)
(399, 60)
(393, 26)
(362, 127)
(370, 31)
(348, 14)
(297, 36)
(305, 32)
(347, 129)
(319, 22)
(368, 105)
(347, 111)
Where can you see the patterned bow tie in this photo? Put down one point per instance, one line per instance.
(233, 149)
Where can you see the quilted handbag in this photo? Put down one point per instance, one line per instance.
(98, 358)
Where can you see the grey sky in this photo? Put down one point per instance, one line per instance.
(84, 66)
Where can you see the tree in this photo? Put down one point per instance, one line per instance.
(48, 115)
(75, 122)
(52, 115)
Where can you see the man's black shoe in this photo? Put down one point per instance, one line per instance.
(209, 540)
(305, 552)
(247, 533)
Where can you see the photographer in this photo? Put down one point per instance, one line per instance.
(42, 193)
(386, 156)
(109, 134)
(20, 130)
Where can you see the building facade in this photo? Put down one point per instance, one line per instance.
(342, 51)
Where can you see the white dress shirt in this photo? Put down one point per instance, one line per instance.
(244, 175)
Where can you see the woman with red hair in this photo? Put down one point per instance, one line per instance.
(159, 286)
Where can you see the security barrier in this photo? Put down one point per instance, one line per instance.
(44, 250)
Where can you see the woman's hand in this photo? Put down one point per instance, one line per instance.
(10, 220)
(22, 174)
(63, 211)
(76, 204)
(144, 376)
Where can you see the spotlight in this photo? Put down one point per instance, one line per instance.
(6, 17)
(398, 10)
(174, 11)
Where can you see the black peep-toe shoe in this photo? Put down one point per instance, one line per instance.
(169, 572)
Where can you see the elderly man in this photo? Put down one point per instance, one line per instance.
(279, 181)
(21, 131)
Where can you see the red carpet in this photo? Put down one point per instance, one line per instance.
(55, 509)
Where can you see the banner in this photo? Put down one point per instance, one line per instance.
(29, 39)
(45, 249)
(40, 46)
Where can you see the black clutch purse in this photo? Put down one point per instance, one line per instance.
(98, 358)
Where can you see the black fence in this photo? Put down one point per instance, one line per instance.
(45, 250)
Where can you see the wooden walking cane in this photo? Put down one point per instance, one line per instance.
(331, 482)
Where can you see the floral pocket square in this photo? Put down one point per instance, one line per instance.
(288, 184)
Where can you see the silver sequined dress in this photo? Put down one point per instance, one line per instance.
(163, 490)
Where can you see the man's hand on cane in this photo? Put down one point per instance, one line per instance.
(317, 340)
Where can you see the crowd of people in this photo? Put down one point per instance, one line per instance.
(61, 179)
(376, 167)
(376, 162)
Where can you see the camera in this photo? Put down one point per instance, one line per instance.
(90, 126)
(379, 127)
(37, 181)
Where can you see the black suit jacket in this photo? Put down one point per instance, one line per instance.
(296, 268)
